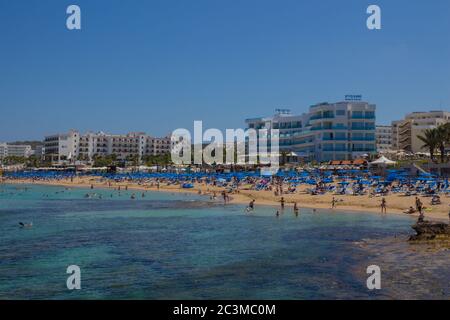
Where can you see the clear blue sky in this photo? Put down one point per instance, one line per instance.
(158, 65)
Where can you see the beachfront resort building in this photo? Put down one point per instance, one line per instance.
(383, 138)
(405, 132)
(85, 147)
(15, 150)
(329, 131)
(61, 147)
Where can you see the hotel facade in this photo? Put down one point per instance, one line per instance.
(329, 131)
(405, 132)
(383, 137)
(15, 150)
(73, 146)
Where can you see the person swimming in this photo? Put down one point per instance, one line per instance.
(26, 225)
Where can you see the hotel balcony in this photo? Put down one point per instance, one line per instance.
(362, 139)
(365, 128)
(371, 117)
(322, 116)
(363, 149)
(329, 128)
(330, 149)
(334, 139)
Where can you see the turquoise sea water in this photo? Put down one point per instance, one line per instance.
(178, 246)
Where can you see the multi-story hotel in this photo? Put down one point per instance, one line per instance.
(60, 147)
(383, 138)
(73, 146)
(329, 131)
(405, 132)
(15, 150)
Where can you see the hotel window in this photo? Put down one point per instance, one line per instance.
(357, 114)
(370, 114)
(340, 112)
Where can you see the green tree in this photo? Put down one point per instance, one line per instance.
(431, 141)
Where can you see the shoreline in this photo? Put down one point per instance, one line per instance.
(357, 204)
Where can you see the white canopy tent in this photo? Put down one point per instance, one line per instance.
(383, 161)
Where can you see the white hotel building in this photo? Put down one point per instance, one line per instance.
(15, 150)
(73, 146)
(329, 131)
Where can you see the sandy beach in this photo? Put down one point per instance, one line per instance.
(396, 204)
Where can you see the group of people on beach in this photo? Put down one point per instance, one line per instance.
(335, 183)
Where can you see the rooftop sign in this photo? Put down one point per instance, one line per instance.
(351, 97)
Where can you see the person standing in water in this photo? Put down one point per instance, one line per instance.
(282, 203)
(295, 209)
(383, 205)
(251, 205)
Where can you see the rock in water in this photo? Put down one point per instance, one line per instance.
(430, 231)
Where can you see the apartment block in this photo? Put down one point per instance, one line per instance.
(86, 147)
(15, 150)
(405, 132)
(383, 138)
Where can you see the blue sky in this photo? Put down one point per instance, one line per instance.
(159, 65)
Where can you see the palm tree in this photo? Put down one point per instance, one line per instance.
(430, 140)
(442, 133)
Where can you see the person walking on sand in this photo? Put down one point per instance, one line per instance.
(333, 203)
(383, 205)
(419, 206)
(417, 203)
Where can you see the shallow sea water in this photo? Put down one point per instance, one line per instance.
(180, 246)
